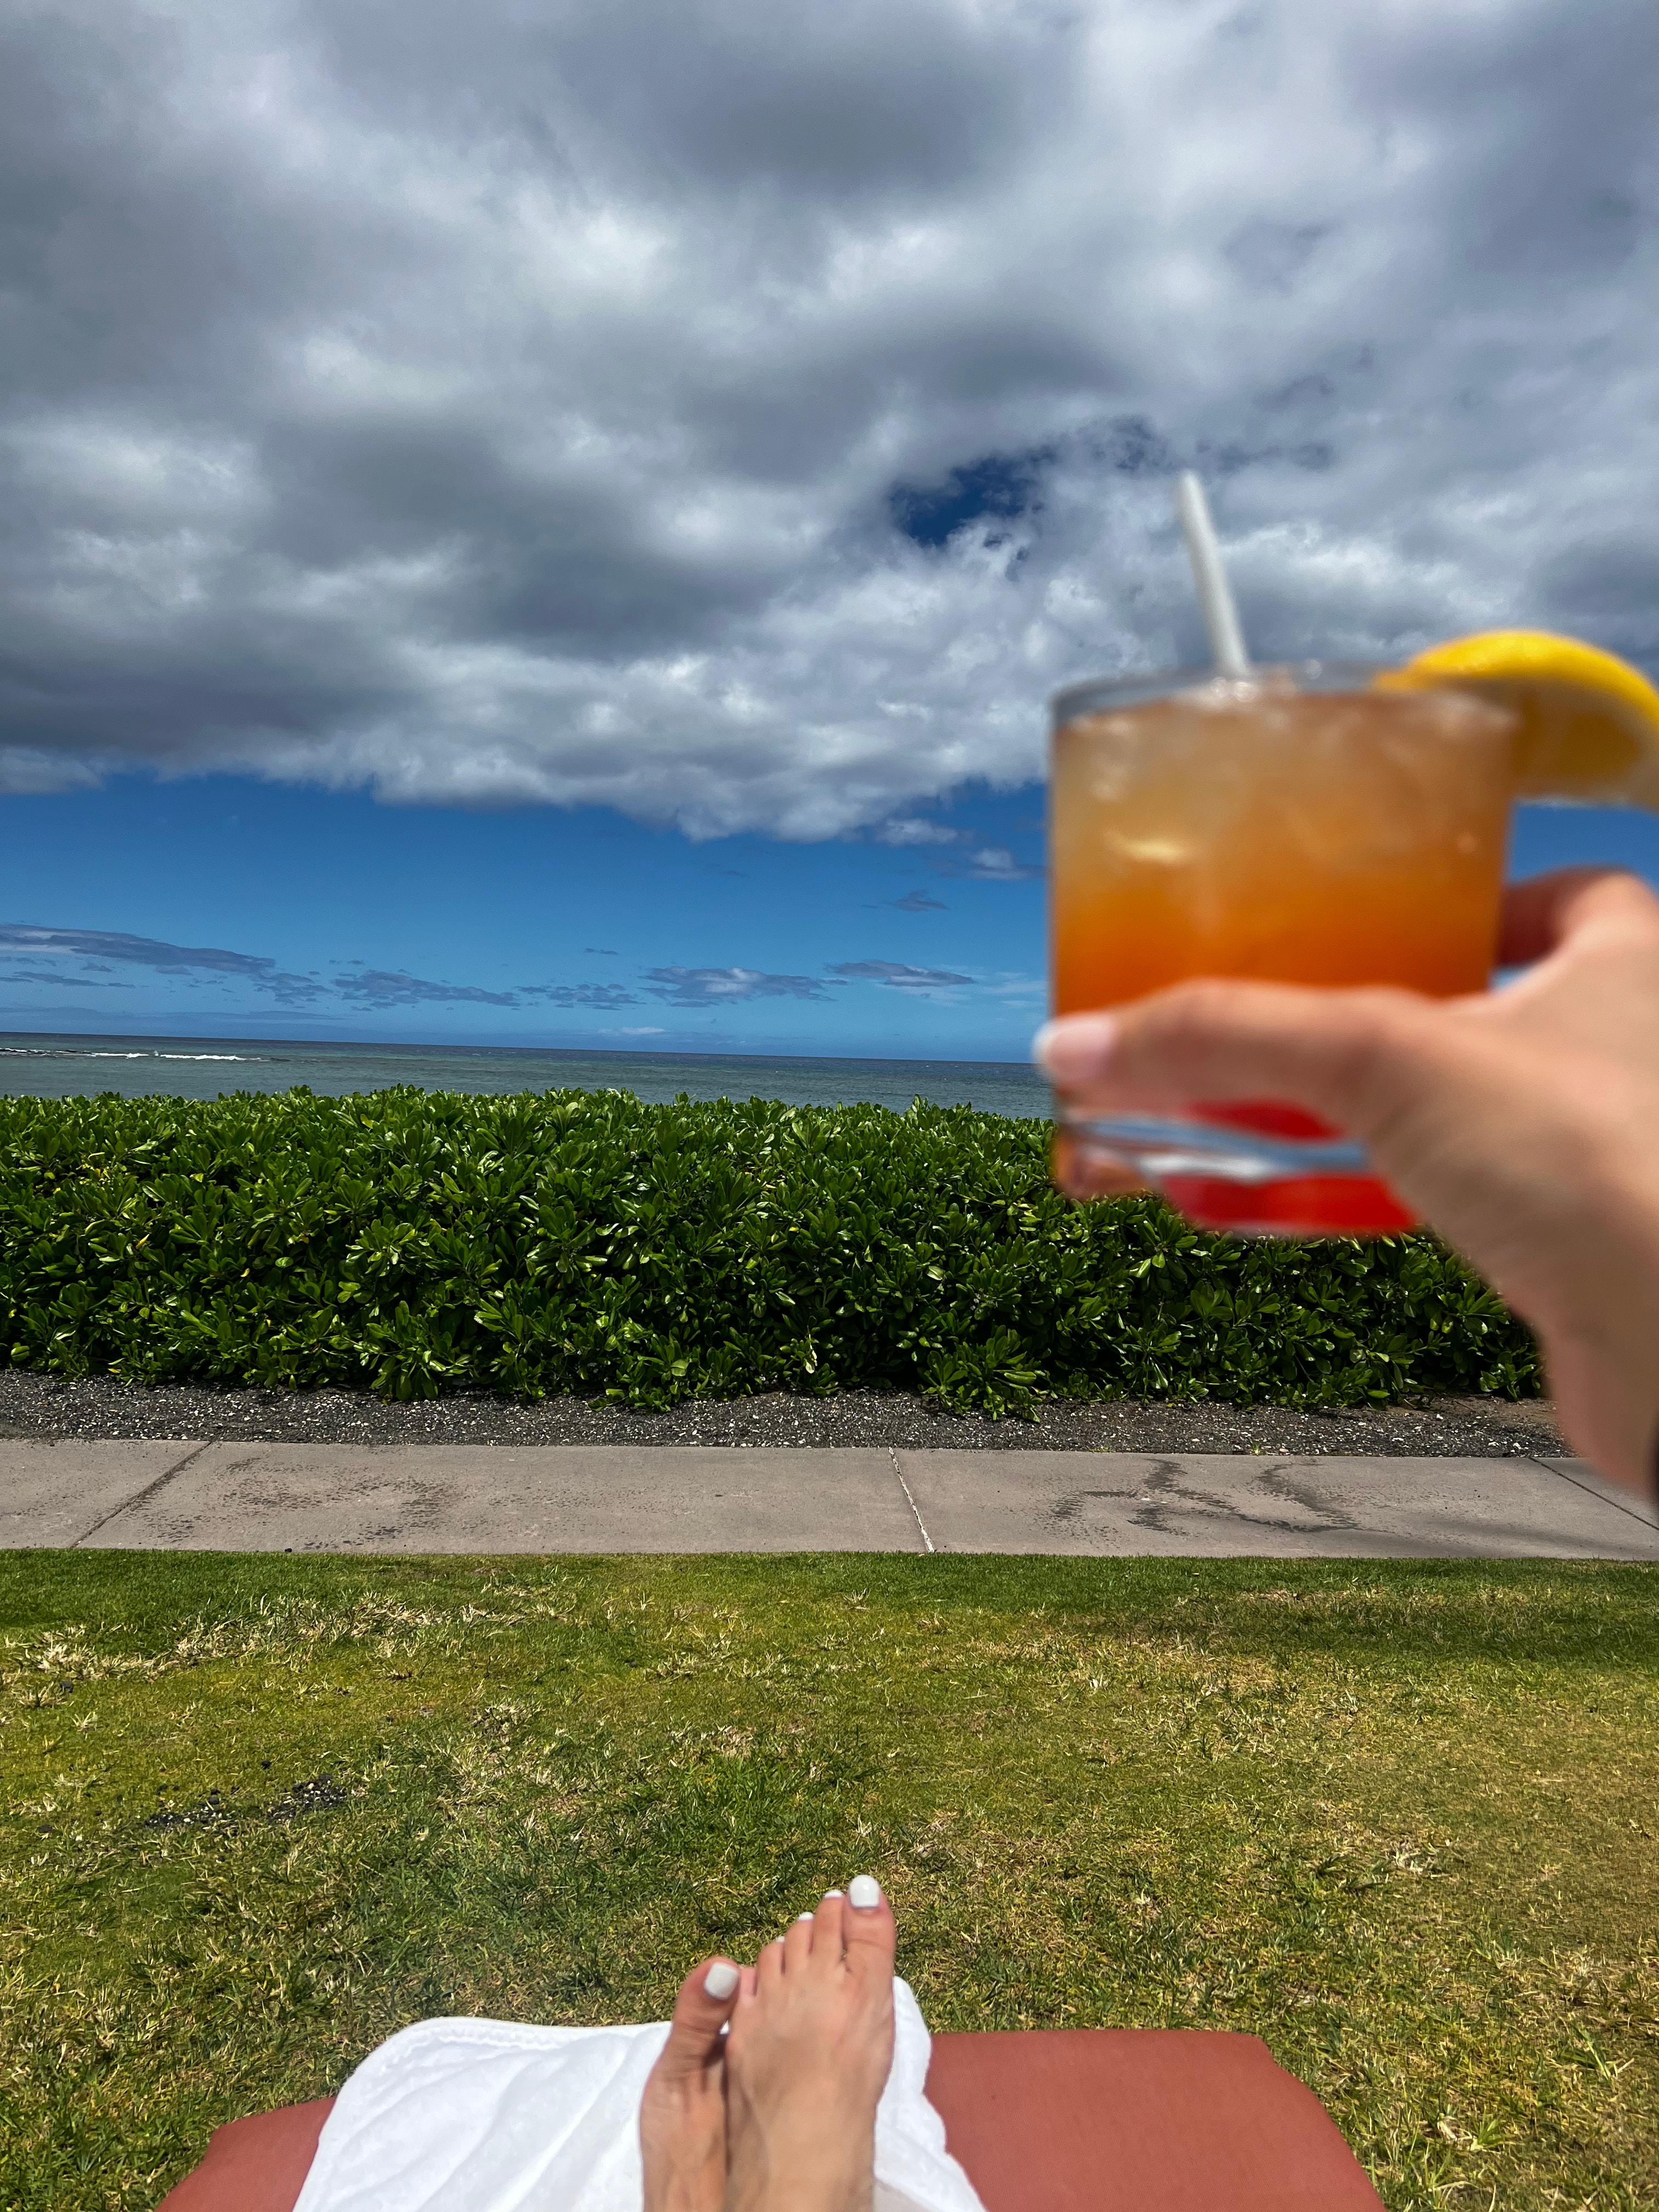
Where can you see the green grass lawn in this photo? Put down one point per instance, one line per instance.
(1402, 1819)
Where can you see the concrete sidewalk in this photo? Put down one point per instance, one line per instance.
(442, 1498)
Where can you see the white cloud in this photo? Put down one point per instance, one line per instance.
(995, 864)
(907, 830)
(525, 408)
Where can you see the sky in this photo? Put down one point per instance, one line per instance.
(556, 526)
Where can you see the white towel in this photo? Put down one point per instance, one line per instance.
(488, 2116)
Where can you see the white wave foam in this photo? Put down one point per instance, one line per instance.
(72, 1052)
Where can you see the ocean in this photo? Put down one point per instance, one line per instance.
(207, 1067)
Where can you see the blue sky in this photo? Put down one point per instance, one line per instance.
(351, 918)
(335, 916)
(629, 476)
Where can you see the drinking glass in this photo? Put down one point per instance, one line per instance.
(1309, 825)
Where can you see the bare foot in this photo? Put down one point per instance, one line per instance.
(682, 2111)
(806, 2060)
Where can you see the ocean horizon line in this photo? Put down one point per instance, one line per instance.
(67, 1063)
(153, 1041)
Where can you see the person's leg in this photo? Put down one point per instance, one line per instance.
(807, 2058)
(682, 2111)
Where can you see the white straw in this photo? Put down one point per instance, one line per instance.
(1214, 595)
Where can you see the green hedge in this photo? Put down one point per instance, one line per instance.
(419, 1243)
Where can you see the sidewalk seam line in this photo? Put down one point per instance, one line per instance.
(892, 1454)
(142, 1497)
(1617, 1504)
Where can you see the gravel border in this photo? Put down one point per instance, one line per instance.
(1440, 1428)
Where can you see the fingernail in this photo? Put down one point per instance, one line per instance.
(1072, 1051)
(864, 1890)
(720, 1980)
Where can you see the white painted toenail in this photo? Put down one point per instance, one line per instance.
(865, 1891)
(829, 1893)
(720, 1980)
(803, 1916)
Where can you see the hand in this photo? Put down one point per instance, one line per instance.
(1523, 1124)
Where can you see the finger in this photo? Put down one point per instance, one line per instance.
(1542, 913)
(1344, 1055)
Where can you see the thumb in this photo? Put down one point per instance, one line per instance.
(1351, 1057)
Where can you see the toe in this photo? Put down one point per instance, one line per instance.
(798, 1944)
(700, 2014)
(829, 1934)
(867, 1929)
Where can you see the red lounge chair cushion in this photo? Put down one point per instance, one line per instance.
(1140, 2120)
(1085, 2120)
(256, 2165)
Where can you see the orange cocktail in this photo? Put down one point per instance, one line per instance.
(1302, 826)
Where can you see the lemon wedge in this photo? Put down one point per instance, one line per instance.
(1589, 721)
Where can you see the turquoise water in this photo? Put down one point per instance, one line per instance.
(207, 1067)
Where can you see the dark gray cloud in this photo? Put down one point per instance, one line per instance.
(60, 982)
(745, 415)
(355, 984)
(203, 962)
(898, 975)
(381, 987)
(719, 986)
(604, 995)
(918, 902)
